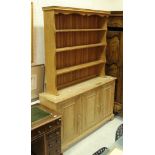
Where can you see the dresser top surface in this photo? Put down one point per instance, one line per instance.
(74, 10)
(77, 89)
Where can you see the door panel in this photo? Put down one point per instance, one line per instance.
(68, 120)
(89, 101)
(107, 100)
(71, 118)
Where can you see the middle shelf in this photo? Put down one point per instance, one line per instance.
(79, 47)
(77, 67)
(79, 30)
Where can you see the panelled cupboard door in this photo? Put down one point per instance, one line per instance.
(89, 101)
(107, 100)
(70, 118)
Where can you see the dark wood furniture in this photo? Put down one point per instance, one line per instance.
(45, 131)
(114, 55)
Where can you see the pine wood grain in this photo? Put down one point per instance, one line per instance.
(79, 47)
(77, 39)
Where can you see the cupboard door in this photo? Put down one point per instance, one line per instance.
(70, 119)
(89, 101)
(107, 100)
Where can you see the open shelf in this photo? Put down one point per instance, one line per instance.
(76, 81)
(75, 46)
(79, 47)
(77, 76)
(73, 68)
(79, 30)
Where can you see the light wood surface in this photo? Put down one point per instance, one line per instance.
(77, 89)
(75, 43)
(79, 47)
(84, 107)
(50, 70)
(86, 133)
(86, 65)
(67, 10)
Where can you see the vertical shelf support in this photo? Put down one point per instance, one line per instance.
(50, 47)
(103, 54)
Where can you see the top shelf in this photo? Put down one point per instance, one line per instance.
(70, 10)
(79, 30)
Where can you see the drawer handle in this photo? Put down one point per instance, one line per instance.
(50, 145)
(50, 136)
(58, 121)
(57, 133)
(50, 126)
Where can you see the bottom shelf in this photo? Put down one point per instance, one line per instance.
(77, 76)
(76, 81)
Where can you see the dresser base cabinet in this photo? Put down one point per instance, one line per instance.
(84, 107)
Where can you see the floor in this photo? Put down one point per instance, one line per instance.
(104, 136)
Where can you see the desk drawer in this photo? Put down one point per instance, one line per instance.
(37, 132)
(53, 135)
(52, 125)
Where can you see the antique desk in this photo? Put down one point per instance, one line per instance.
(45, 131)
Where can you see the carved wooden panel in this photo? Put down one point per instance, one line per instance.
(115, 21)
(114, 52)
(114, 65)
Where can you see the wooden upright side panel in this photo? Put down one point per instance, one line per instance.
(103, 41)
(50, 47)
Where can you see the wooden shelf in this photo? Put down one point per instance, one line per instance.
(79, 47)
(78, 67)
(79, 30)
(75, 45)
(76, 81)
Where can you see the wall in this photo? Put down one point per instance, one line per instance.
(38, 39)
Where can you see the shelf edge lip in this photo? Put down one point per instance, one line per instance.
(74, 9)
(78, 30)
(86, 65)
(79, 47)
(61, 97)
